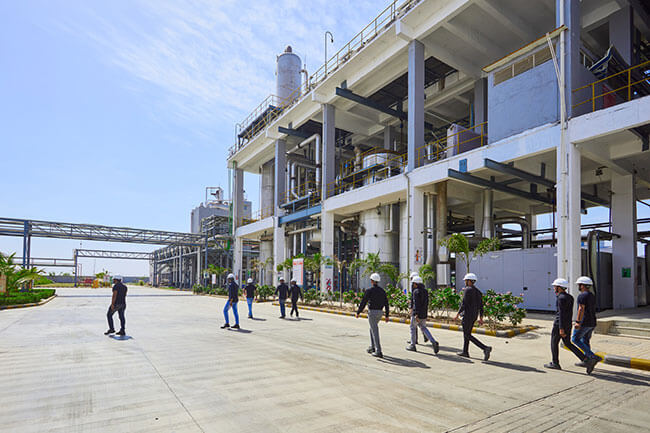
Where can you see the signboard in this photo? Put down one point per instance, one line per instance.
(214, 278)
(298, 270)
(3, 283)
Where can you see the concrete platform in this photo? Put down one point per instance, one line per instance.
(177, 371)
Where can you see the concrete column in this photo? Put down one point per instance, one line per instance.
(279, 251)
(624, 248)
(238, 258)
(487, 225)
(198, 265)
(267, 189)
(280, 173)
(478, 218)
(327, 250)
(389, 137)
(531, 218)
(416, 229)
(441, 211)
(621, 33)
(404, 252)
(480, 104)
(329, 152)
(415, 101)
(572, 54)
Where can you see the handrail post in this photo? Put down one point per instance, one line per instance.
(629, 84)
(593, 97)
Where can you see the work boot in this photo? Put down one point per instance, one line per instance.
(121, 333)
(250, 316)
(236, 326)
(411, 348)
(370, 349)
(225, 325)
(463, 354)
(486, 353)
(591, 363)
(436, 347)
(110, 331)
(378, 354)
(553, 366)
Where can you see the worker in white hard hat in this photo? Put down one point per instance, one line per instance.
(562, 326)
(377, 300)
(233, 298)
(250, 296)
(471, 309)
(281, 292)
(419, 312)
(411, 339)
(118, 304)
(295, 292)
(585, 321)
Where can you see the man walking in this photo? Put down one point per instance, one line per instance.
(562, 327)
(411, 341)
(377, 300)
(118, 303)
(250, 296)
(471, 308)
(295, 293)
(585, 321)
(281, 292)
(233, 298)
(419, 312)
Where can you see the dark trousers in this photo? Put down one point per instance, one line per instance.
(468, 324)
(120, 312)
(294, 307)
(555, 345)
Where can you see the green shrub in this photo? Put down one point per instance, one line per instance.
(313, 296)
(445, 299)
(397, 300)
(497, 307)
(33, 296)
(264, 292)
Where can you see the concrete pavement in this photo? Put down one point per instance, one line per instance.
(177, 371)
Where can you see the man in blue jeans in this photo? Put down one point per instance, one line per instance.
(282, 291)
(250, 296)
(118, 303)
(233, 297)
(585, 321)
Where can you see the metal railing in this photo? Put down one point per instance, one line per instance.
(628, 84)
(380, 23)
(382, 169)
(310, 189)
(258, 215)
(463, 140)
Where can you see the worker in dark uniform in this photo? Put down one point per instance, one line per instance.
(250, 296)
(118, 303)
(295, 292)
(410, 340)
(377, 300)
(471, 308)
(419, 312)
(562, 327)
(585, 321)
(281, 292)
(233, 298)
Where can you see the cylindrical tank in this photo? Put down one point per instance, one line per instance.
(376, 237)
(288, 76)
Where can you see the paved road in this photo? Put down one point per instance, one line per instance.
(177, 371)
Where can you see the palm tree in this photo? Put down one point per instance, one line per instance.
(17, 276)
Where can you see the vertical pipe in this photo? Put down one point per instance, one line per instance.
(76, 268)
(25, 231)
(488, 211)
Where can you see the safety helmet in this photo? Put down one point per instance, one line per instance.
(249, 281)
(293, 280)
(562, 282)
(231, 276)
(375, 277)
(281, 278)
(413, 274)
(417, 279)
(470, 276)
(118, 277)
(585, 280)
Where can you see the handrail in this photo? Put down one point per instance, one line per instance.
(380, 23)
(302, 190)
(390, 168)
(629, 86)
(435, 149)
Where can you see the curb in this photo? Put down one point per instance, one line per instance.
(622, 361)
(503, 334)
(33, 304)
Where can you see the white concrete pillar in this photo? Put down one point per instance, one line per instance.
(478, 218)
(238, 258)
(441, 212)
(415, 101)
(327, 249)
(279, 250)
(238, 197)
(403, 238)
(624, 248)
(389, 137)
(280, 174)
(416, 228)
(329, 152)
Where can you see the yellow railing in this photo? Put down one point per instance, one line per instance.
(302, 190)
(356, 44)
(258, 215)
(624, 90)
(383, 169)
(440, 149)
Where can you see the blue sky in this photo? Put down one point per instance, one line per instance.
(121, 112)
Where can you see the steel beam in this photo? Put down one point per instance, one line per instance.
(108, 254)
(509, 169)
(465, 177)
(293, 132)
(348, 94)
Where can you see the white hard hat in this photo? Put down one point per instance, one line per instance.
(585, 280)
(293, 280)
(250, 281)
(413, 274)
(417, 279)
(375, 277)
(118, 277)
(281, 278)
(562, 282)
(470, 276)
(231, 276)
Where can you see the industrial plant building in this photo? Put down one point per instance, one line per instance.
(461, 116)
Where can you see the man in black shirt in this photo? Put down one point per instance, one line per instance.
(250, 296)
(377, 300)
(585, 323)
(471, 309)
(562, 324)
(281, 292)
(118, 303)
(419, 312)
(296, 293)
(233, 298)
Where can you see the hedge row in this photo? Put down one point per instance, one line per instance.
(33, 296)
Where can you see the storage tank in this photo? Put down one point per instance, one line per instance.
(288, 76)
(379, 233)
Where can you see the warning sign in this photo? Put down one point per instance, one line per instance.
(298, 268)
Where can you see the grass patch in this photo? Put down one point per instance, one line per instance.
(30, 297)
